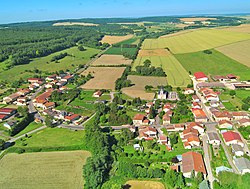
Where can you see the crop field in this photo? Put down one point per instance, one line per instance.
(138, 89)
(193, 19)
(238, 51)
(137, 184)
(43, 170)
(194, 41)
(111, 60)
(110, 39)
(74, 24)
(244, 28)
(44, 64)
(121, 51)
(104, 77)
(213, 64)
(177, 76)
(153, 52)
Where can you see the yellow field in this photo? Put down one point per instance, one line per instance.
(138, 89)
(43, 170)
(74, 24)
(104, 77)
(115, 39)
(196, 19)
(197, 40)
(111, 60)
(136, 184)
(177, 76)
(244, 28)
(238, 51)
(153, 52)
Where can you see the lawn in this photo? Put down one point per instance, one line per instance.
(44, 64)
(213, 64)
(138, 184)
(220, 159)
(53, 137)
(194, 41)
(177, 76)
(32, 126)
(43, 170)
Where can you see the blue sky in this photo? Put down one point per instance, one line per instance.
(31, 10)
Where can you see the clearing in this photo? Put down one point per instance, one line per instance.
(177, 76)
(104, 77)
(244, 28)
(137, 184)
(193, 19)
(153, 52)
(43, 170)
(213, 64)
(111, 39)
(138, 89)
(74, 24)
(196, 40)
(114, 60)
(44, 64)
(238, 51)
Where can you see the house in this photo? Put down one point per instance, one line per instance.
(67, 78)
(188, 91)
(147, 133)
(149, 104)
(21, 101)
(163, 140)
(222, 169)
(49, 105)
(162, 95)
(72, 117)
(138, 119)
(49, 85)
(196, 105)
(166, 119)
(42, 99)
(225, 124)
(11, 98)
(244, 122)
(220, 78)
(97, 94)
(196, 126)
(242, 164)
(195, 98)
(167, 107)
(35, 80)
(61, 83)
(222, 115)
(232, 77)
(237, 150)
(192, 161)
(24, 92)
(175, 127)
(9, 124)
(173, 96)
(200, 77)
(240, 115)
(51, 77)
(32, 87)
(199, 115)
(231, 137)
(213, 138)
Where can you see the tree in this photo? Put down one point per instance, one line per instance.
(199, 177)
(148, 87)
(245, 107)
(152, 113)
(2, 144)
(81, 48)
(232, 93)
(23, 110)
(147, 63)
(48, 121)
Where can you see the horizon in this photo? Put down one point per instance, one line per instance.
(27, 11)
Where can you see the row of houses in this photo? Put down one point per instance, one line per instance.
(58, 80)
(5, 113)
(226, 115)
(18, 98)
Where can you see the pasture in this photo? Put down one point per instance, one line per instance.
(43, 170)
(121, 51)
(111, 39)
(44, 64)
(74, 24)
(137, 184)
(104, 77)
(238, 51)
(213, 64)
(177, 76)
(194, 41)
(138, 89)
(114, 60)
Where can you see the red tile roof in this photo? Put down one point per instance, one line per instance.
(199, 75)
(230, 135)
(225, 121)
(7, 110)
(72, 117)
(3, 116)
(139, 117)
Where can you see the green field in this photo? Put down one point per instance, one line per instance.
(43, 170)
(194, 41)
(30, 127)
(53, 137)
(44, 64)
(121, 51)
(213, 64)
(177, 76)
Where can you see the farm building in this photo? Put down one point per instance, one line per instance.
(200, 77)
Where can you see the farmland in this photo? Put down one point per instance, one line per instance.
(196, 40)
(104, 77)
(114, 60)
(136, 184)
(213, 64)
(177, 76)
(44, 64)
(244, 28)
(121, 51)
(238, 51)
(138, 89)
(43, 170)
(193, 19)
(115, 39)
(153, 52)
(74, 24)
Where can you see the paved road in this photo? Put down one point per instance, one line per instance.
(207, 160)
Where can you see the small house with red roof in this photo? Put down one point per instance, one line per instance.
(244, 122)
(147, 133)
(200, 77)
(166, 119)
(231, 137)
(199, 115)
(188, 91)
(225, 124)
(35, 80)
(72, 117)
(140, 119)
(97, 94)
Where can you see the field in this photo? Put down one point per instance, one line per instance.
(74, 24)
(138, 89)
(153, 52)
(177, 76)
(104, 77)
(196, 40)
(238, 51)
(43, 170)
(244, 28)
(213, 64)
(121, 51)
(193, 19)
(110, 39)
(136, 184)
(44, 64)
(116, 60)
(55, 137)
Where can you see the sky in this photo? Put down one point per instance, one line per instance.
(37, 10)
